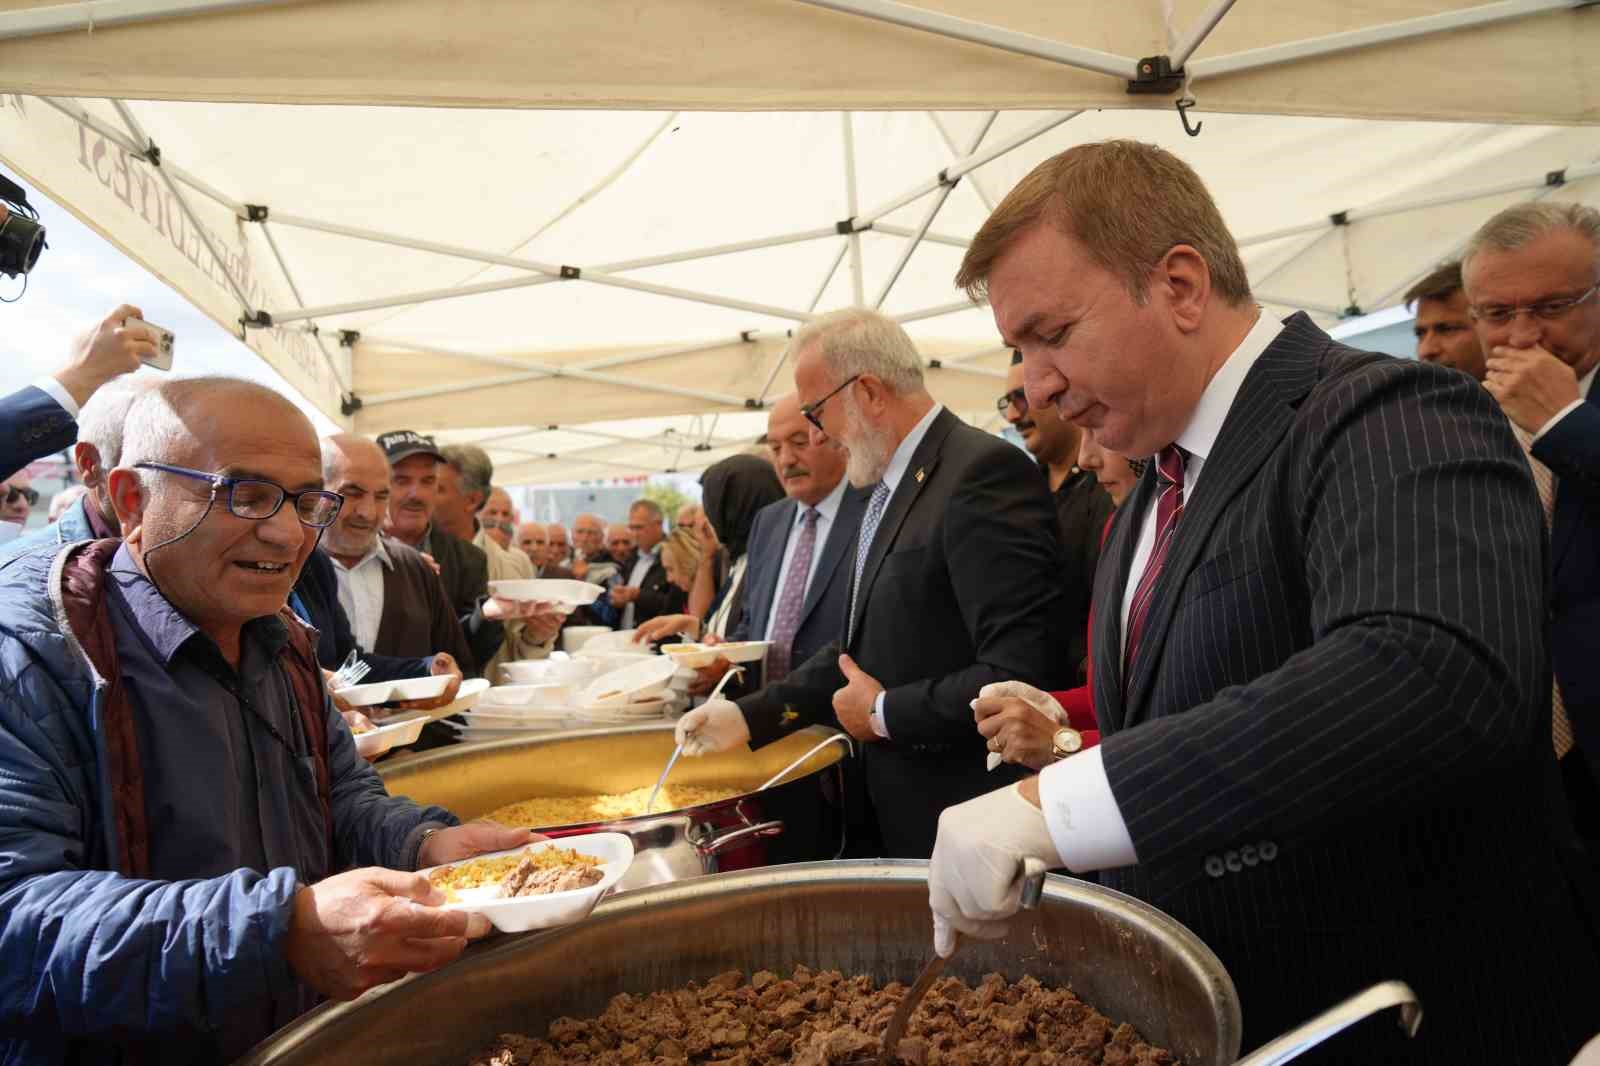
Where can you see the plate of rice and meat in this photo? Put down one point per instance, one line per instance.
(537, 886)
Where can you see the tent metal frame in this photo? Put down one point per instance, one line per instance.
(69, 18)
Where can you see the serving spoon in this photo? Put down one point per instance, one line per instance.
(677, 751)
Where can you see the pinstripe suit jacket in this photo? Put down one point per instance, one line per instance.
(1331, 754)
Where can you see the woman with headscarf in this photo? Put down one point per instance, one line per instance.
(732, 491)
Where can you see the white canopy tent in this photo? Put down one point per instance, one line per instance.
(594, 292)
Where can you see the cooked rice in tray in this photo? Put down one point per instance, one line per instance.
(543, 811)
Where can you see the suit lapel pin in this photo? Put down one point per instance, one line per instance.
(920, 474)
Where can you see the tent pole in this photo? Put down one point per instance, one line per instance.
(783, 356)
(183, 204)
(529, 371)
(856, 279)
(294, 290)
(1333, 43)
(935, 312)
(950, 143)
(102, 14)
(968, 163)
(121, 140)
(930, 236)
(280, 317)
(961, 29)
(720, 249)
(827, 279)
(1283, 264)
(1380, 210)
(911, 245)
(1199, 32)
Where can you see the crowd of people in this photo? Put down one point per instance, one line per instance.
(1293, 641)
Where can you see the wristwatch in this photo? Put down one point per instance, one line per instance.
(1065, 741)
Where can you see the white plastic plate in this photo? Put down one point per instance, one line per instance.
(391, 734)
(521, 914)
(565, 591)
(642, 680)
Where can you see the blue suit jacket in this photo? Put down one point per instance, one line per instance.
(1572, 452)
(822, 619)
(32, 426)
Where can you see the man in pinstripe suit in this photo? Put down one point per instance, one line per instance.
(1320, 666)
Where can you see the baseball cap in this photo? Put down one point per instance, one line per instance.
(403, 444)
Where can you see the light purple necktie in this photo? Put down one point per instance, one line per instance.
(787, 623)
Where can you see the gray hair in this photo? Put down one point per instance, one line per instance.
(104, 419)
(858, 340)
(474, 466)
(156, 431)
(1521, 225)
(650, 507)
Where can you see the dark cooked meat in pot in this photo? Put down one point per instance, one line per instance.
(825, 1018)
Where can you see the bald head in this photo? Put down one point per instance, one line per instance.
(356, 469)
(184, 419)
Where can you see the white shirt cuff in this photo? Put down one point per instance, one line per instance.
(1563, 413)
(57, 392)
(1082, 814)
(879, 726)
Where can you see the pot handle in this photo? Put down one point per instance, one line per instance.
(1362, 1005)
(837, 738)
(743, 835)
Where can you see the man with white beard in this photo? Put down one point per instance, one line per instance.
(956, 585)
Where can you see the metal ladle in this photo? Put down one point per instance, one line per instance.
(677, 751)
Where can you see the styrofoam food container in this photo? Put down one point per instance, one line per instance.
(472, 690)
(566, 591)
(573, 638)
(524, 913)
(550, 671)
(418, 688)
(692, 656)
(365, 695)
(614, 641)
(393, 734)
(743, 651)
(529, 696)
(645, 679)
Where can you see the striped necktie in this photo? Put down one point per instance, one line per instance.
(1545, 482)
(1170, 466)
(869, 529)
(787, 622)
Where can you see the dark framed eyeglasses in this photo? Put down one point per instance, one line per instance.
(813, 410)
(257, 500)
(1019, 397)
(1548, 310)
(16, 492)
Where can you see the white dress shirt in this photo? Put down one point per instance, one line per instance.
(57, 392)
(361, 593)
(1085, 822)
(827, 510)
(641, 567)
(1584, 384)
(893, 474)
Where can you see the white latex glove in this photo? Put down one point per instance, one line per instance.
(975, 876)
(1038, 699)
(717, 725)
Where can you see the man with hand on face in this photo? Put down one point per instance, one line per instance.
(1444, 322)
(193, 851)
(1533, 277)
(589, 548)
(368, 593)
(955, 584)
(1319, 662)
(1082, 507)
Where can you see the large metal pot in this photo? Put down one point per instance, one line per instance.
(798, 820)
(1128, 959)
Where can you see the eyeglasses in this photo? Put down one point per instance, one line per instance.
(813, 410)
(1016, 396)
(16, 492)
(1548, 310)
(258, 501)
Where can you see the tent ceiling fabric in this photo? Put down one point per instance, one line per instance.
(791, 55)
(487, 274)
(427, 201)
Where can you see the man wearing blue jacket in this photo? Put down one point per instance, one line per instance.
(191, 851)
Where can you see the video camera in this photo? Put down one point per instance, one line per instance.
(21, 235)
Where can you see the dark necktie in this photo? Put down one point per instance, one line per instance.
(1170, 465)
(787, 621)
(869, 529)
